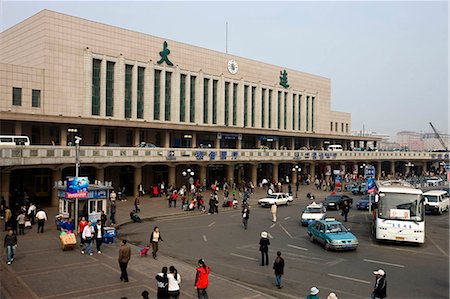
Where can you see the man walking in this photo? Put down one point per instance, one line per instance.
(379, 291)
(155, 237)
(345, 210)
(264, 243)
(99, 232)
(124, 258)
(41, 217)
(273, 210)
(278, 266)
(87, 238)
(245, 216)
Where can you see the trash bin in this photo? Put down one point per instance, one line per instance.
(110, 233)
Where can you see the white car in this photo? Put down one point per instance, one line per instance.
(436, 201)
(434, 181)
(313, 212)
(277, 198)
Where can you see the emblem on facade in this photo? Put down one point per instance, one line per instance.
(164, 55)
(284, 79)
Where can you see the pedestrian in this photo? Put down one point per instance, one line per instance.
(201, 279)
(137, 204)
(155, 237)
(8, 216)
(211, 204)
(87, 238)
(162, 282)
(216, 203)
(31, 213)
(81, 226)
(332, 296)
(245, 216)
(113, 197)
(313, 293)
(290, 189)
(103, 217)
(345, 209)
(10, 245)
(174, 283)
(99, 232)
(112, 215)
(273, 210)
(41, 217)
(379, 290)
(278, 267)
(145, 295)
(21, 221)
(141, 190)
(124, 258)
(264, 243)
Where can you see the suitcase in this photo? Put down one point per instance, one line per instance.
(68, 241)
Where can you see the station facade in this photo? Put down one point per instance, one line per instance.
(63, 76)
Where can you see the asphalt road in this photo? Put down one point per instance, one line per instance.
(412, 271)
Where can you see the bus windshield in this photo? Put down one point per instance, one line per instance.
(400, 206)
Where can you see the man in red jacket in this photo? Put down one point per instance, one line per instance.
(201, 279)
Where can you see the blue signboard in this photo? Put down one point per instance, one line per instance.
(212, 155)
(199, 155)
(223, 155)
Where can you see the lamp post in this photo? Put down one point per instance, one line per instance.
(296, 169)
(77, 166)
(188, 174)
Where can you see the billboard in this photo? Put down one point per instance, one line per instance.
(77, 187)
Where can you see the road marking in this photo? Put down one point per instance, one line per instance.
(205, 239)
(349, 278)
(235, 215)
(273, 225)
(334, 262)
(270, 236)
(297, 247)
(251, 297)
(384, 263)
(287, 218)
(287, 233)
(437, 246)
(244, 257)
(211, 224)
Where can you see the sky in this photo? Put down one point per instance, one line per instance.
(387, 61)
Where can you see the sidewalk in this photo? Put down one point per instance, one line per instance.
(42, 270)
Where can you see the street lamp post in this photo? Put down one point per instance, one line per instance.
(77, 166)
(296, 170)
(188, 174)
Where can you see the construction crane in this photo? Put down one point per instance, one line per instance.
(439, 137)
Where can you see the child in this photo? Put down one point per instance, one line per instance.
(145, 250)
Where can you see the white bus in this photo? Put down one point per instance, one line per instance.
(400, 212)
(14, 140)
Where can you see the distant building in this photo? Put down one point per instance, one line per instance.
(414, 141)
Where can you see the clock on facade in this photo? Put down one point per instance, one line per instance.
(232, 67)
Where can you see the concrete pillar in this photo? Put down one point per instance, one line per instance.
(172, 175)
(4, 192)
(56, 176)
(63, 135)
(136, 134)
(392, 168)
(230, 173)
(100, 174)
(137, 179)
(275, 171)
(277, 144)
(194, 139)
(312, 170)
(378, 170)
(308, 144)
(102, 136)
(18, 128)
(217, 144)
(254, 174)
(293, 143)
(202, 173)
(167, 139)
(258, 143)
(238, 144)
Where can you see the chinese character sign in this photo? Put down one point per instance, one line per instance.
(165, 55)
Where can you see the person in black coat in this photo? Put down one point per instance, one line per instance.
(99, 233)
(379, 290)
(264, 243)
(10, 245)
(278, 266)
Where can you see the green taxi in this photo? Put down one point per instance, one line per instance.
(332, 234)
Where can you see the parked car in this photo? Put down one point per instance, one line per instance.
(336, 201)
(277, 198)
(332, 234)
(312, 212)
(363, 203)
(436, 201)
(145, 144)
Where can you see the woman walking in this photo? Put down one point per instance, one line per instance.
(174, 283)
(201, 279)
(245, 216)
(155, 237)
(264, 248)
(162, 282)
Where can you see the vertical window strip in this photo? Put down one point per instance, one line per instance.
(279, 110)
(299, 112)
(307, 113)
(245, 105)
(17, 96)
(168, 96)
(263, 107)
(285, 110)
(109, 88)
(96, 63)
(157, 95)
(235, 90)
(294, 100)
(253, 105)
(128, 90)
(182, 98)
(312, 113)
(227, 89)
(192, 100)
(214, 102)
(140, 93)
(270, 110)
(36, 98)
(205, 100)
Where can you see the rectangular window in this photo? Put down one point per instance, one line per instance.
(140, 93)
(294, 100)
(96, 63)
(128, 90)
(346, 128)
(157, 95)
(312, 113)
(270, 109)
(182, 98)
(299, 112)
(235, 90)
(192, 101)
(253, 105)
(342, 127)
(307, 113)
(263, 107)
(214, 102)
(335, 126)
(227, 89)
(110, 88)
(36, 98)
(96, 135)
(331, 126)
(245, 105)
(17, 96)
(205, 100)
(279, 110)
(285, 110)
(129, 137)
(168, 95)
